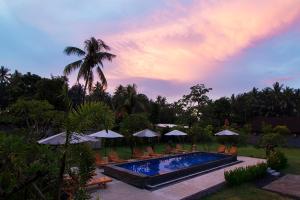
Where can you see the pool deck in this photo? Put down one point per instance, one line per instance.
(192, 188)
(287, 185)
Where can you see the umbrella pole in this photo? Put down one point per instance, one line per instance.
(104, 147)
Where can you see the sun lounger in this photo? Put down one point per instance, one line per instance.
(114, 157)
(170, 150)
(221, 149)
(101, 182)
(99, 161)
(233, 151)
(151, 152)
(138, 154)
(193, 148)
(180, 149)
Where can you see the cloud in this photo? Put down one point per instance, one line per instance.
(187, 43)
(164, 46)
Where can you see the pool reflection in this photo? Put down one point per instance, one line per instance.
(168, 164)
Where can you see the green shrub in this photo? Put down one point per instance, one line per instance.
(245, 174)
(274, 139)
(277, 160)
(283, 130)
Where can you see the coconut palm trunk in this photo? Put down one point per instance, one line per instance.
(94, 53)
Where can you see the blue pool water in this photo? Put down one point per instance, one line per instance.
(168, 164)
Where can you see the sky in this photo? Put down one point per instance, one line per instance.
(163, 46)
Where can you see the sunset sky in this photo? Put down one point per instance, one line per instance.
(164, 46)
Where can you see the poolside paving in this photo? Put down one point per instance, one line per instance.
(187, 189)
(286, 185)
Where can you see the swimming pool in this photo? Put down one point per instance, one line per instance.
(157, 171)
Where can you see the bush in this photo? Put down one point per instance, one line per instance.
(277, 160)
(274, 139)
(266, 128)
(282, 130)
(245, 174)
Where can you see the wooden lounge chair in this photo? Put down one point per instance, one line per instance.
(180, 149)
(193, 148)
(138, 154)
(233, 150)
(151, 152)
(170, 150)
(114, 157)
(99, 161)
(221, 149)
(101, 182)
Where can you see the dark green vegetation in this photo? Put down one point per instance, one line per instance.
(33, 107)
(245, 174)
(277, 160)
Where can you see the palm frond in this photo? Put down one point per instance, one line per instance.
(104, 56)
(72, 66)
(102, 77)
(102, 45)
(74, 51)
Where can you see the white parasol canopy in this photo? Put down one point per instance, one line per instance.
(106, 134)
(226, 133)
(169, 125)
(60, 139)
(175, 133)
(146, 133)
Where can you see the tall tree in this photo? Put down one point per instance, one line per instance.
(194, 102)
(94, 53)
(127, 100)
(98, 94)
(4, 75)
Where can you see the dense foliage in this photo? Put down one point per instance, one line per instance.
(245, 174)
(192, 108)
(274, 136)
(26, 169)
(277, 160)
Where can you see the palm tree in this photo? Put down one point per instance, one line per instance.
(4, 75)
(94, 53)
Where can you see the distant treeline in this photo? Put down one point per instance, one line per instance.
(195, 107)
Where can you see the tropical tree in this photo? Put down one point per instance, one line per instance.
(76, 95)
(193, 103)
(94, 53)
(4, 75)
(27, 170)
(126, 100)
(133, 123)
(37, 117)
(98, 94)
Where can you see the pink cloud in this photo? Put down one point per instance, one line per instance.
(189, 43)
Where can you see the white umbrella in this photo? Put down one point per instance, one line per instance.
(226, 133)
(169, 125)
(146, 133)
(166, 125)
(175, 133)
(106, 134)
(60, 139)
